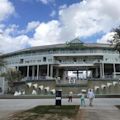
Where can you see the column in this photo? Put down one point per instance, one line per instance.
(17, 68)
(77, 74)
(48, 70)
(51, 71)
(100, 70)
(114, 71)
(65, 75)
(86, 74)
(57, 72)
(33, 72)
(96, 72)
(37, 72)
(27, 71)
(103, 76)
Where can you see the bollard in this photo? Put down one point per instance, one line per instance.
(58, 99)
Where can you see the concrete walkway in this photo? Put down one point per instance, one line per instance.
(103, 108)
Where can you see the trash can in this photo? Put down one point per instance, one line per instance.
(58, 99)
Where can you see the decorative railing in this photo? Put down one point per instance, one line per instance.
(78, 62)
(37, 78)
(71, 82)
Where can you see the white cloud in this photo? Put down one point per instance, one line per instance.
(46, 1)
(10, 44)
(107, 38)
(53, 13)
(11, 29)
(63, 6)
(91, 16)
(32, 25)
(46, 33)
(6, 9)
(82, 19)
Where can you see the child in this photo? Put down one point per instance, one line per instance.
(82, 99)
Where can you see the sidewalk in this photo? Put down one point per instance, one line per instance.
(100, 112)
(103, 109)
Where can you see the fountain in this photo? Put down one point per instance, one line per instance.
(41, 87)
(34, 92)
(23, 93)
(52, 91)
(103, 86)
(29, 84)
(35, 85)
(109, 84)
(46, 89)
(104, 90)
(97, 88)
(115, 83)
(17, 93)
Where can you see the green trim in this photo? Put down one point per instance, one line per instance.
(75, 46)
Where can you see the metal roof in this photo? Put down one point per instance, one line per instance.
(57, 46)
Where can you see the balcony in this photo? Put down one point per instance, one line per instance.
(78, 63)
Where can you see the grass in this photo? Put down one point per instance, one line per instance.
(118, 106)
(67, 112)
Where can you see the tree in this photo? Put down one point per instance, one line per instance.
(116, 38)
(2, 62)
(12, 75)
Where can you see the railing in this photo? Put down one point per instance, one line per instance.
(78, 51)
(71, 82)
(78, 62)
(66, 52)
(37, 78)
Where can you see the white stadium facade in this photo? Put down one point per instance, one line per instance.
(70, 65)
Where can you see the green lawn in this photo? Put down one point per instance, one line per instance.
(118, 106)
(66, 112)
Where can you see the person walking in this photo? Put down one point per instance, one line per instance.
(70, 96)
(90, 96)
(82, 99)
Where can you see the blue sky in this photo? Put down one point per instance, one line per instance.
(27, 23)
(34, 10)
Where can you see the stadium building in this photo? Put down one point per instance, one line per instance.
(70, 65)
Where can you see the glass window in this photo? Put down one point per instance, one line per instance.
(44, 59)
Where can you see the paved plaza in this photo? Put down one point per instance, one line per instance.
(104, 108)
